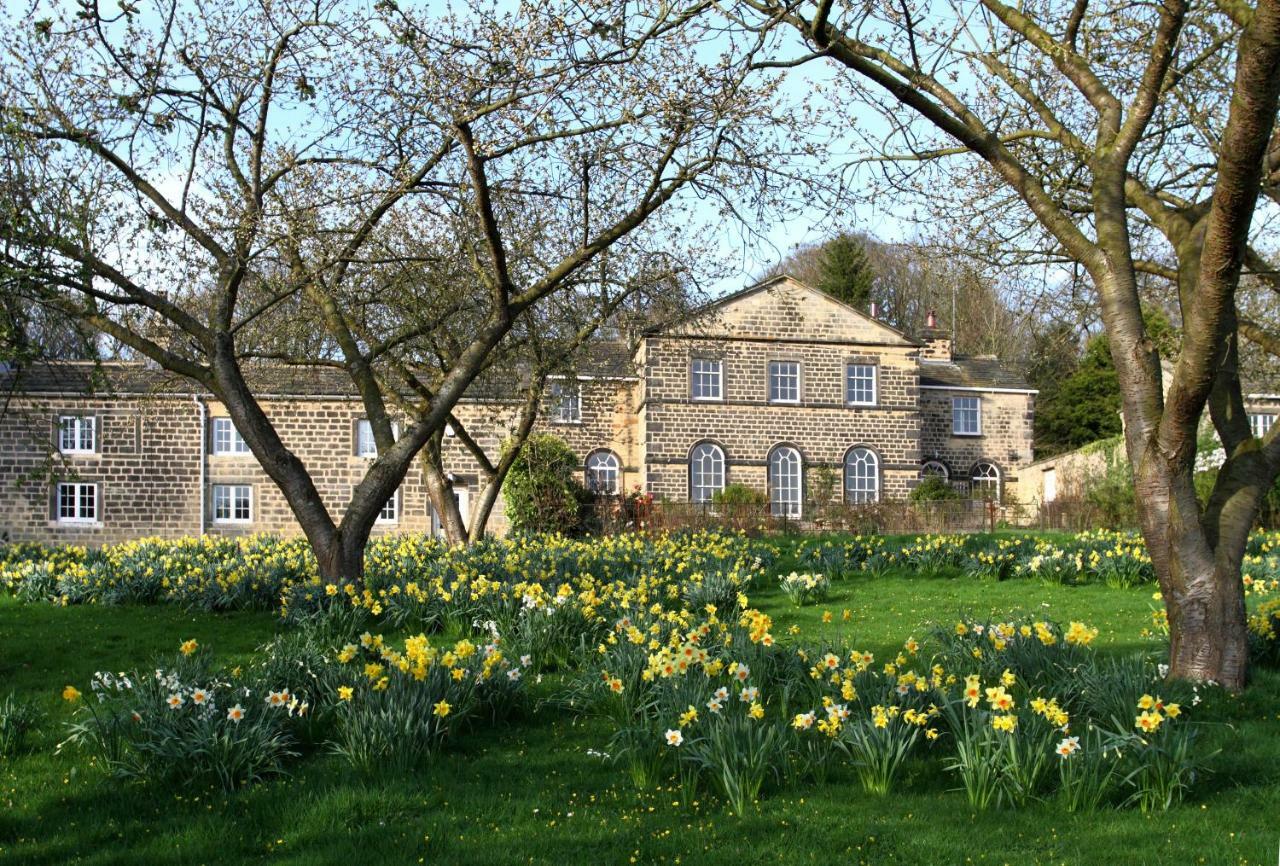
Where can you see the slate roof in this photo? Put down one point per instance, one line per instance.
(965, 371)
(612, 359)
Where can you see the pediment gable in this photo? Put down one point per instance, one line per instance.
(783, 308)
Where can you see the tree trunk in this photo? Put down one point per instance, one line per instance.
(341, 560)
(482, 509)
(440, 491)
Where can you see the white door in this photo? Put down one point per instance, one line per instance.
(1050, 485)
(463, 496)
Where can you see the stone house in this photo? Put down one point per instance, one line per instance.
(761, 388)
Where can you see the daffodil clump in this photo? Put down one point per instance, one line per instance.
(805, 589)
(186, 722)
(1018, 710)
(397, 705)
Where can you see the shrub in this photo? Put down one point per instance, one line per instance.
(933, 488)
(740, 496)
(542, 490)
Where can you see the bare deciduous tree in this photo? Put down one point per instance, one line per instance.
(195, 180)
(1078, 112)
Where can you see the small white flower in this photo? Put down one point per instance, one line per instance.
(674, 737)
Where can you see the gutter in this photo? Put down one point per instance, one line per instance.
(202, 411)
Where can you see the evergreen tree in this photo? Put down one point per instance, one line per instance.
(1083, 407)
(844, 272)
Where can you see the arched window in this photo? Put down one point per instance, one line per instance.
(604, 473)
(985, 481)
(935, 468)
(786, 481)
(861, 476)
(706, 472)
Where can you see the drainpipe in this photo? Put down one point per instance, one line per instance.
(204, 426)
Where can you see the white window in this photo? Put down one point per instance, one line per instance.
(860, 384)
(861, 476)
(232, 503)
(76, 434)
(706, 472)
(390, 512)
(966, 416)
(985, 481)
(786, 482)
(77, 503)
(706, 379)
(784, 382)
(1260, 423)
(566, 403)
(366, 446)
(936, 468)
(603, 473)
(227, 439)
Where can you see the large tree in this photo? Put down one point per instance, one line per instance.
(1099, 121)
(222, 185)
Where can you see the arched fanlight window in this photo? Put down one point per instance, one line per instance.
(786, 481)
(706, 472)
(604, 473)
(985, 481)
(861, 476)
(936, 468)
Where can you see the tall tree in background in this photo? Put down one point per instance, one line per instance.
(1081, 407)
(194, 181)
(844, 272)
(1072, 110)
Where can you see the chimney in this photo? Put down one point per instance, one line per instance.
(937, 341)
(875, 310)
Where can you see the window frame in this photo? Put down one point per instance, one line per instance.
(394, 519)
(794, 507)
(590, 474)
(693, 477)
(694, 373)
(975, 485)
(79, 424)
(78, 518)
(977, 411)
(562, 393)
(1254, 425)
(771, 373)
(945, 475)
(848, 382)
(362, 424)
(234, 439)
(877, 490)
(232, 520)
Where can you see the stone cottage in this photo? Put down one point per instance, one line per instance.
(760, 388)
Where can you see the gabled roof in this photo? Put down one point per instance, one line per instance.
(767, 284)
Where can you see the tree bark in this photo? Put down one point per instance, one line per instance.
(440, 491)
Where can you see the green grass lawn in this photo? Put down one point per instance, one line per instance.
(529, 792)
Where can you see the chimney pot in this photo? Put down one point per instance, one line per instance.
(932, 320)
(875, 310)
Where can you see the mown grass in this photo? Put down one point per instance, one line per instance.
(529, 792)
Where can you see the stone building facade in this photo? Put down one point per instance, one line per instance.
(763, 388)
